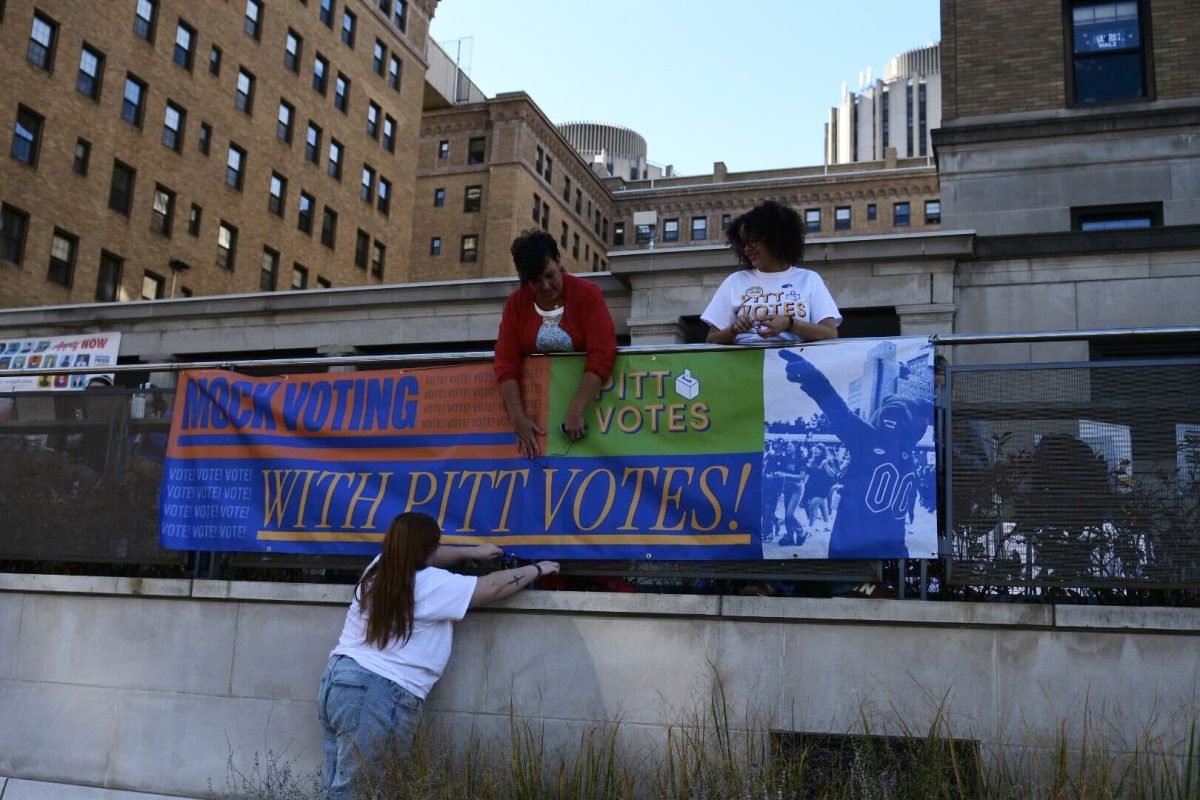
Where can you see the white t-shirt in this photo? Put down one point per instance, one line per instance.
(440, 598)
(796, 291)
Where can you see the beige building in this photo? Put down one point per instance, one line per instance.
(489, 170)
(167, 148)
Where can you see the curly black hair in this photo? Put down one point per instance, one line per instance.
(530, 251)
(774, 226)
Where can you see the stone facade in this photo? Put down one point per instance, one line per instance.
(56, 197)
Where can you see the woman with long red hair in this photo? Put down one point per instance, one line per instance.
(396, 641)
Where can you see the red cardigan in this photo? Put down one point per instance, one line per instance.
(586, 319)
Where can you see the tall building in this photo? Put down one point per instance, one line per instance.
(168, 148)
(896, 112)
(613, 150)
(1068, 145)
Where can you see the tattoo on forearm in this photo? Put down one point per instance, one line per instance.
(515, 580)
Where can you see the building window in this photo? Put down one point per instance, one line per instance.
(575, 246)
(812, 220)
(235, 167)
(472, 199)
(326, 13)
(226, 245)
(1117, 218)
(312, 143)
(726, 221)
(268, 271)
(91, 72)
(618, 234)
(545, 216)
(366, 190)
(14, 225)
(439, 197)
(549, 174)
(385, 197)
(469, 252)
(362, 247)
(566, 188)
(305, 220)
(841, 218)
(373, 120)
(349, 24)
(1108, 51)
(329, 228)
(671, 230)
(62, 258)
(538, 159)
(244, 99)
(475, 149)
(378, 254)
(277, 194)
(185, 45)
(27, 136)
(214, 60)
(389, 134)
(292, 49)
(134, 101)
(341, 93)
(435, 246)
(252, 24)
(120, 189)
(323, 283)
(393, 77)
(320, 73)
(153, 286)
(401, 15)
(299, 276)
(205, 138)
(335, 159)
(379, 59)
(162, 214)
(283, 124)
(604, 229)
(699, 229)
(933, 212)
(144, 19)
(578, 200)
(643, 234)
(537, 207)
(194, 220)
(562, 239)
(83, 155)
(901, 212)
(872, 211)
(109, 281)
(173, 120)
(444, 148)
(42, 37)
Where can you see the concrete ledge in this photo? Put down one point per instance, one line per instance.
(766, 609)
(17, 789)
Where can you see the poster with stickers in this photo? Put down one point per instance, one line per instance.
(55, 352)
(821, 451)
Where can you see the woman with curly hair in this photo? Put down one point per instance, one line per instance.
(772, 298)
(395, 643)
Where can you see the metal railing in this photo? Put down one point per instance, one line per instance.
(1076, 477)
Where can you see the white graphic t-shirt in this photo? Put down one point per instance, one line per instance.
(550, 337)
(796, 291)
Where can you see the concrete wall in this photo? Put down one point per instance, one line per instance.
(150, 684)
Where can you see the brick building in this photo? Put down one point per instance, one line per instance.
(168, 148)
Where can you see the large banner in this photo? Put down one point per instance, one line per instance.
(50, 352)
(814, 452)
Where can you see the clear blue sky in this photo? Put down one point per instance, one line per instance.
(748, 82)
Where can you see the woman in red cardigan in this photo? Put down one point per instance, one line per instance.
(552, 312)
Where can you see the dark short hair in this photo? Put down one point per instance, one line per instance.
(530, 251)
(775, 226)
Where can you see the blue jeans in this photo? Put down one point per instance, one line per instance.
(360, 713)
